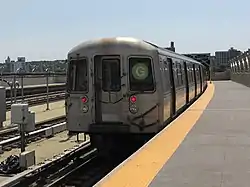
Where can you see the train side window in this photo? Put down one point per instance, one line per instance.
(111, 75)
(190, 73)
(193, 72)
(181, 74)
(140, 74)
(78, 75)
(197, 73)
(175, 73)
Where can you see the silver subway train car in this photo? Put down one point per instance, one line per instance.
(124, 87)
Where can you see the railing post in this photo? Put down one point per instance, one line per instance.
(47, 85)
(22, 89)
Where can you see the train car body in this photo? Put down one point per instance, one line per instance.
(124, 86)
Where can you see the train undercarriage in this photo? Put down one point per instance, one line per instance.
(119, 145)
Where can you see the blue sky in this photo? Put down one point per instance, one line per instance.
(48, 29)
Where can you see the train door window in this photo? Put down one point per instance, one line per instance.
(141, 74)
(78, 75)
(166, 73)
(162, 72)
(245, 64)
(248, 63)
(180, 73)
(111, 75)
(237, 66)
(176, 74)
(187, 65)
(240, 65)
(200, 74)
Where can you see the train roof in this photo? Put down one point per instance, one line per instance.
(132, 42)
(173, 54)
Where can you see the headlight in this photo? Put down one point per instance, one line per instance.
(85, 108)
(133, 109)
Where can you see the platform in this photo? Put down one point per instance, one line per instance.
(45, 148)
(206, 146)
(41, 114)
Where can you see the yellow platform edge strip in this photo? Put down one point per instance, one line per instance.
(141, 168)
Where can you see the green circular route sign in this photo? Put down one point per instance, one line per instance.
(140, 71)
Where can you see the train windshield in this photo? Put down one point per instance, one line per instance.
(78, 75)
(140, 74)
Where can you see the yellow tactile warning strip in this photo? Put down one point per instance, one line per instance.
(140, 169)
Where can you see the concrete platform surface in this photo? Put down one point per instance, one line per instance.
(141, 167)
(216, 152)
(45, 148)
(41, 114)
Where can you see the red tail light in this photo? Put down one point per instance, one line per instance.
(133, 99)
(84, 99)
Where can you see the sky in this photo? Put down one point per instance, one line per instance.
(48, 29)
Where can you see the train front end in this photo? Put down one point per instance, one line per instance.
(111, 89)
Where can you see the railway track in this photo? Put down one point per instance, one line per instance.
(81, 167)
(87, 174)
(9, 138)
(82, 173)
(37, 99)
(44, 174)
(78, 167)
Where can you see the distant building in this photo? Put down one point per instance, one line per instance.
(7, 61)
(222, 57)
(20, 65)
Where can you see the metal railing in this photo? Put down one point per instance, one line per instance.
(16, 81)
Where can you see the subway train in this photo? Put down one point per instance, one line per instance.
(124, 90)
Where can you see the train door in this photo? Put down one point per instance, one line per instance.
(195, 80)
(201, 79)
(186, 82)
(198, 80)
(166, 88)
(108, 92)
(172, 86)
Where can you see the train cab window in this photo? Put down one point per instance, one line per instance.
(111, 75)
(78, 75)
(140, 74)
